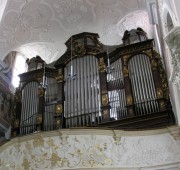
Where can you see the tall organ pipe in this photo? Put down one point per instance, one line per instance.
(142, 84)
(82, 93)
(30, 102)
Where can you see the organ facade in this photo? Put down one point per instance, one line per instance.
(124, 87)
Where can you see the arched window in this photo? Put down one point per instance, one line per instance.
(170, 24)
(19, 68)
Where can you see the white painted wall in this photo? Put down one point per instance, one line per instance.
(171, 7)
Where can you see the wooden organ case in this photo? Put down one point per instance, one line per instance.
(126, 89)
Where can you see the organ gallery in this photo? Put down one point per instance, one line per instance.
(94, 85)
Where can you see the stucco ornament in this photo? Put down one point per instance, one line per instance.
(76, 149)
(173, 42)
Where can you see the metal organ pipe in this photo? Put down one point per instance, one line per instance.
(117, 95)
(142, 84)
(30, 102)
(50, 102)
(82, 93)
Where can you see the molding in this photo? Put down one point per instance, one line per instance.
(87, 131)
(92, 149)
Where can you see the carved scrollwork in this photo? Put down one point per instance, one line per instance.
(105, 100)
(156, 54)
(78, 49)
(125, 59)
(105, 113)
(40, 91)
(59, 109)
(154, 64)
(148, 53)
(60, 78)
(129, 99)
(125, 71)
(102, 65)
(159, 93)
(162, 105)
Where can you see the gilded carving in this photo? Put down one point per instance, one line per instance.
(78, 49)
(148, 53)
(39, 118)
(162, 105)
(105, 112)
(40, 91)
(159, 93)
(125, 59)
(156, 54)
(102, 68)
(101, 61)
(129, 100)
(16, 123)
(125, 71)
(59, 108)
(105, 100)
(60, 78)
(154, 64)
(104, 92)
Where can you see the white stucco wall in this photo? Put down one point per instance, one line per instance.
(171, 7)
(93, 149)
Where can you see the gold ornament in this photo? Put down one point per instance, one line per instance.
(104, 99)
(162, 105)
(78, 49)
(59, 108)
(154, 64)
(40, 91)
(129, 100)
(59, 78)
(125, 59)
(39, 118)
(125, 71)
(159, 93)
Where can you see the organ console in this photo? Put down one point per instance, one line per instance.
(133, 95)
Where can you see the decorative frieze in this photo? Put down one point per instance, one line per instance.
(92, 149)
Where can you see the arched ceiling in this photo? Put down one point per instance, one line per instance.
(41, 27)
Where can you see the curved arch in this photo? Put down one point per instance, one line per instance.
(24, 84)
(167, 19)
(142, 53)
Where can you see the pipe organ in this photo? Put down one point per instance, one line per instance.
(142, 83)
(86, 87)
(116, 91)
(82, 94)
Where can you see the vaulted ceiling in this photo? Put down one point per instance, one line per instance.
(41, 27)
